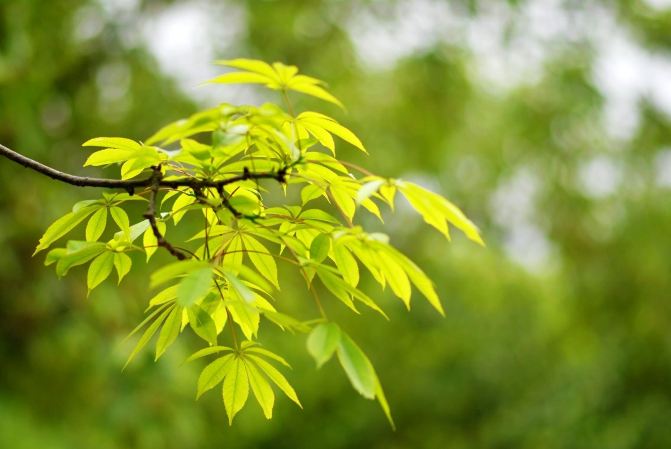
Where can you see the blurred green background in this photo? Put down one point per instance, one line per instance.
(547, 121)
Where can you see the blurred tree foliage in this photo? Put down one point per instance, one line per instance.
(576, 354)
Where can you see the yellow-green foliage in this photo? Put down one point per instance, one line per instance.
(227, 274)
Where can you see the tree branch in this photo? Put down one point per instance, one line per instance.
(131, 184)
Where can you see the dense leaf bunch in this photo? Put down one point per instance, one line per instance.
(208, 168)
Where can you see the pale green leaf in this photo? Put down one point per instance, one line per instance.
(207, 351)
(322, 342)
(277, 378)
(235, 389)
(358, 368)
(113, 142)
(148, 333)
(100, 269)
(62, 226)
(194, 286)
(346, 264)
(202, 324)
(316, 91)
(261, 388)
(261, 258)
(241, 78)
(96, 225)
(271, 355)
(214, 373)
(122, 263)
(320, 247)
(120, 217)
(170, 331)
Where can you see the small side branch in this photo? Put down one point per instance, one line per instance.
(151, 216)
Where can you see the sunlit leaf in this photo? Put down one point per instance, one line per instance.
(323, 341)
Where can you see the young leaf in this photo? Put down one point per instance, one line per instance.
(207, 351)
(100, 269)
(194, 286)
(320, 247)
(323, 341)
(62, 226)
(170, 331)
(214, 373)
(122, 263)
(277, 378)
(202, 324)
(235, 389)
(261, 388)
(261, 258)
(148, 333)
(96, 225)
(120, 217)
(357, 366)
(113, 142)
(346, 264)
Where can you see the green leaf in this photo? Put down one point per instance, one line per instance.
(271, 355)
(120, 217)
(261, 258)
(207, 351)
(172, 271)
(252, 65)
(277, 378)
(194, 286)
(240, 289)
(382, 400)
(320, 247)
(169, 294)
(241, 78)
(170, 331)
(332, 126)
(245, 315)
(148, 333)
(317, 92)
(437, 210)
(108, 156)
(346, 264)
(96, 225)
(202, 324)
(123, 264)
(62, 226)
(419, 279)
(100, 269)
(368, 189)
(322, 342)
(113, 142)
(358, 368)
(78, 253)
(214, 373)
(235, 389)
(261, 388)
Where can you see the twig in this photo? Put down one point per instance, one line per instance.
(151, 216)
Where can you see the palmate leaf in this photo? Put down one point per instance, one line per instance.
(276, 77)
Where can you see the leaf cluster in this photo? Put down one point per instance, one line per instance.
(227, 273)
